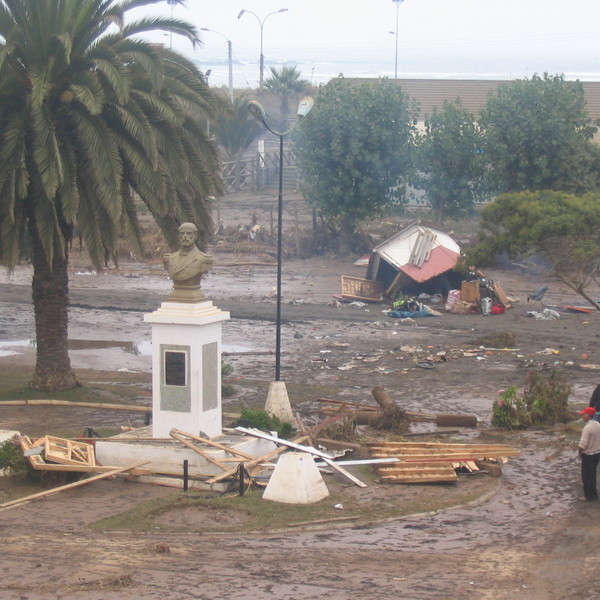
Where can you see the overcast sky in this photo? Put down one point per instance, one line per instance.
(435, 37)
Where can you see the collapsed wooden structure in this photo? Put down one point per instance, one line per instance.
(50, 453)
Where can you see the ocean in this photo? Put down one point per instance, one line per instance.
(246, 75)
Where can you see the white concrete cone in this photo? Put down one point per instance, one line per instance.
(278, 403)
(296, 480)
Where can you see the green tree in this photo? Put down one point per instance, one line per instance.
(353, 151)
(92, 118)
(562, 227)
(449, 161)
(539, 136)
(286, 84)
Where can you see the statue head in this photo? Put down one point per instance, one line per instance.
(188, 234)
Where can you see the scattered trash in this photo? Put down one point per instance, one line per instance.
(546, 315)
(425, 364)
(486, 306)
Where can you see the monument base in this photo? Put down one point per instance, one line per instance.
(186, 368)
(164, 457)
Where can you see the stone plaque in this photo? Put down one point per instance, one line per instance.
(210, 364)
(175, 368)
(175, 393)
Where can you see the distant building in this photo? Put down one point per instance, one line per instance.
(473, 93)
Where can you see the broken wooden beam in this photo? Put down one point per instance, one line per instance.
(62, 488)
(214, 444)
(180, 438)
(252, 463)
(328, 459)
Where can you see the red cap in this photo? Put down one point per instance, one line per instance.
(588, 410)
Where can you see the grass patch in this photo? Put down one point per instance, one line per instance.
(96, 386)
(203, 512)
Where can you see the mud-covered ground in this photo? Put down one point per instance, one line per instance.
(532, 539)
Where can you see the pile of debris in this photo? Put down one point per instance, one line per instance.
(385, 416)
(433, 462)
(417, 267)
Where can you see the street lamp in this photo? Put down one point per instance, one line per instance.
(398, 3)
(230, 57)
(262, 24)
(258, 112)
(171, 3)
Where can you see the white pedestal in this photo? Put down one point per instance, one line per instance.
(186, 368)
(296, 480)
(278, 402)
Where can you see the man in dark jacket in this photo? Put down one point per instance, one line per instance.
(595, 402)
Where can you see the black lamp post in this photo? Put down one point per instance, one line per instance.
(258, 112)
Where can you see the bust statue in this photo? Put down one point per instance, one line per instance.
(186, 266)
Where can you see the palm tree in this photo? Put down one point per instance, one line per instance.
(236, 128)
(286, 83)
(93, 120)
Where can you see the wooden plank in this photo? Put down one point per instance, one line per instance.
(256, 461)
(433, 461)
(75, 468)
(328, 459)
(434, 445)
(364, 461)
(337, 444)
(322, 521)
(345, 473)
(195, 448)
(108, 406)
(423, 479)
(70, 486)
(215, 444)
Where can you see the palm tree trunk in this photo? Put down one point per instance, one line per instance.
(50, 292)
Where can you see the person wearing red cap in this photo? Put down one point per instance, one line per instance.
(589, 453)
(595, 402)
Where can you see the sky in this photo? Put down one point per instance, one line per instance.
(457, 39)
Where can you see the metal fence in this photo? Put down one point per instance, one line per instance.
(254, 173)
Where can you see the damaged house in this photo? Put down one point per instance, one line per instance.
(418, 259)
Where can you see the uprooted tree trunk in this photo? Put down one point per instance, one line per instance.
(394, 417)
(579, 288)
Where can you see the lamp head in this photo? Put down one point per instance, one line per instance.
(241, 13)
(283, 10)
(257, 111)
(305, 106)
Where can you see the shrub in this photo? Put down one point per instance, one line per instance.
(547, 399)
(542, 401)
(12, 460)
(261, 419)
(509, 411)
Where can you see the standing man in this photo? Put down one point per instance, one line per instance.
(589, 453)
(595, 402)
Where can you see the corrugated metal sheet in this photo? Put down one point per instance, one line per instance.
(419, 251)
(440, 260)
